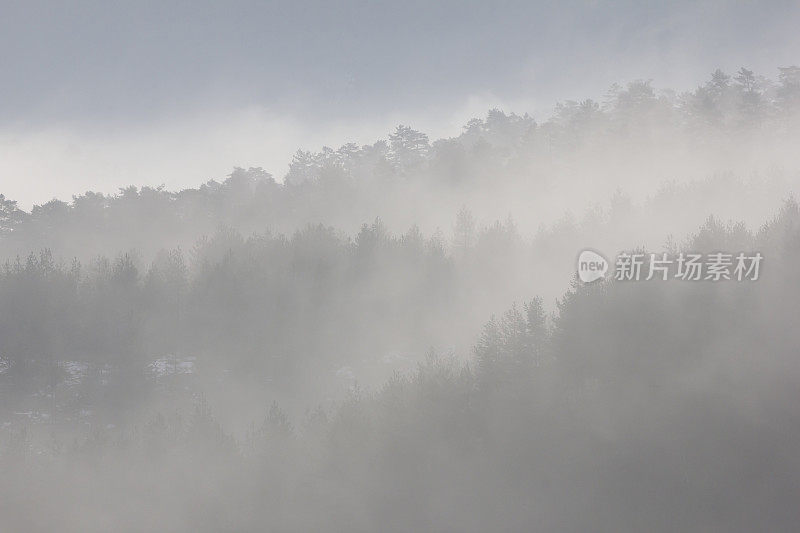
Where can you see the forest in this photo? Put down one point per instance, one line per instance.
(392, 337)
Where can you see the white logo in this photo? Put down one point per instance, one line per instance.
(591, 266)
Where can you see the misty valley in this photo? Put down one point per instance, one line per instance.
(394, 336)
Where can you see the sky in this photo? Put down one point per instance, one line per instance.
(100, 95)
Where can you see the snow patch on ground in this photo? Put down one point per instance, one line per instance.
(171, 366)
(75, 370)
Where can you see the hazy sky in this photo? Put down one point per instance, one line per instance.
(97, 95)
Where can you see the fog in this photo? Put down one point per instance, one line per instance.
(240, 314)
(98, 96)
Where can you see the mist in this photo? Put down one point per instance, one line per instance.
(318, 268)
(99, 97)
